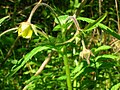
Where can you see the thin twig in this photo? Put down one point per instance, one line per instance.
(43, 64)
(33, 11)
(9, 52)
(40, 69)
(118, 19)
(83, 2)
(9, 30)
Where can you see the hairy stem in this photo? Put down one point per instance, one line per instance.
(33, 11)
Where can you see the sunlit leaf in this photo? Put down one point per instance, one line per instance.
(116, 87)
(78, 68)
(102, 26)
(79, 73)
(95, 24)
(62, 77)
(3, 19)
(101, 48)
(62, 19)
(106, 56)
(57, 28)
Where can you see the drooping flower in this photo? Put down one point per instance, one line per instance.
(25, 30)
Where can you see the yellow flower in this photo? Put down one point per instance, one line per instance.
(25, 30)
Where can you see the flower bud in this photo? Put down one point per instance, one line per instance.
(25, 30)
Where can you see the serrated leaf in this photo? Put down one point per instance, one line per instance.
(102, 26)
(93, 25)
(101, 48)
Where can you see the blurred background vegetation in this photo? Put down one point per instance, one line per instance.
(103, 72)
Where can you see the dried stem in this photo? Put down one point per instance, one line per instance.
(43, 64)
(100, 6)
(83, 44)
(118, 19)
(40, 69)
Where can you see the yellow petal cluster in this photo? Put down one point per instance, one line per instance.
(25, 30)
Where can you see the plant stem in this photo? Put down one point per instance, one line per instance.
(69, 83)
(33, 11)
(9, 52)
(117, 12)
(65, 58)
(9, 30)
(40, 69)
(41, 4)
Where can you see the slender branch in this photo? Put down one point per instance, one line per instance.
(9, 52)
(33, 11)
(100, 6)
(118, 19)
(40, 69)
(41, 4)
(83, 44)
(9, 30)
(43, 64)
(44, 4)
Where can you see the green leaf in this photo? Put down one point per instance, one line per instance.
(95, 24)
(32, 79)
(106, 56)
(102, 26)
(57, 28)
(116, 87)
(78, 68)
(28, 57)
(101, 48)
(110, 31)
(79, 73)
(62, 77)
(62, 19)
(3, 19)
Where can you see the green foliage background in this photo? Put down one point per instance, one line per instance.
(99, 31)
